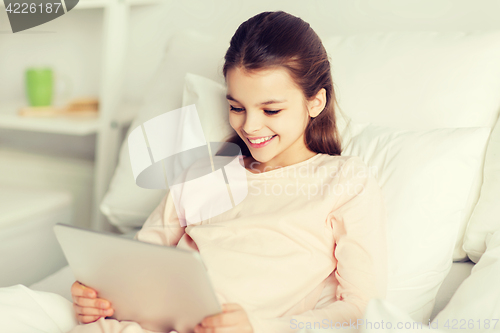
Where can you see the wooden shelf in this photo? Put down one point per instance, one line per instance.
(9, 119)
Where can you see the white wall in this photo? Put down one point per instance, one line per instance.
(71, 44)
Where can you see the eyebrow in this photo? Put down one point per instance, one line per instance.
(231, 98)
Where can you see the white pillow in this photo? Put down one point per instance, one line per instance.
(426, 177)
(125, 204)
(476, 300)
(213, 108)
(445, 79)
(485, 219)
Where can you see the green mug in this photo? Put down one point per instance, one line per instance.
(39, 86)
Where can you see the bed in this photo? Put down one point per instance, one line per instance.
(423, 87)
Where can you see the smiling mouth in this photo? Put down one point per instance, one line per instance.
(261, 140)
(260, 144)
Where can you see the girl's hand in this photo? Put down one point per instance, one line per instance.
(88, 308)
(232, 319)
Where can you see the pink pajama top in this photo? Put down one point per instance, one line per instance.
(306, 246)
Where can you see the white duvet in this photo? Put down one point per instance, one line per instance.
(475, 307)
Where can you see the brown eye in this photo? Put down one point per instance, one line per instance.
(237, 109)
(272, 111)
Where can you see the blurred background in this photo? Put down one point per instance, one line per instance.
(109, 51)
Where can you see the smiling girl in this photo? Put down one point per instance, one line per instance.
(310, 252)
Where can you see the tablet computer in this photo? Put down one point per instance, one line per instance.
(162, 288)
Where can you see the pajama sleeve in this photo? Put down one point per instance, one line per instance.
(163, 226)
(358, 225)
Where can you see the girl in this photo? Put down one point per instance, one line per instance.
(307, 247)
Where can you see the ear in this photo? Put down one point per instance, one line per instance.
(317, 103)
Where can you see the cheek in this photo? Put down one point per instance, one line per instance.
(291, 124)
(235, 121)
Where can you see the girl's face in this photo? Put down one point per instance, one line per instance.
(267, 106)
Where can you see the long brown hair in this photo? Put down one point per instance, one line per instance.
(271, 39)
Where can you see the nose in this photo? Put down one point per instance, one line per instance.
(253, 123)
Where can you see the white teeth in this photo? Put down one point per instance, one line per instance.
(261, 140)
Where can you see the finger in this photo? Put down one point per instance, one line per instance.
(99, 303)
(88, 311)
(223, 319)
(87, 319)
(79, 289)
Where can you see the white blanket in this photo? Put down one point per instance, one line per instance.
(26, 310)
(23, 310)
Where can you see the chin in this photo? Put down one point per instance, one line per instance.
(262, 158)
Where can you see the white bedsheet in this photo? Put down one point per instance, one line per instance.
(27, 311)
